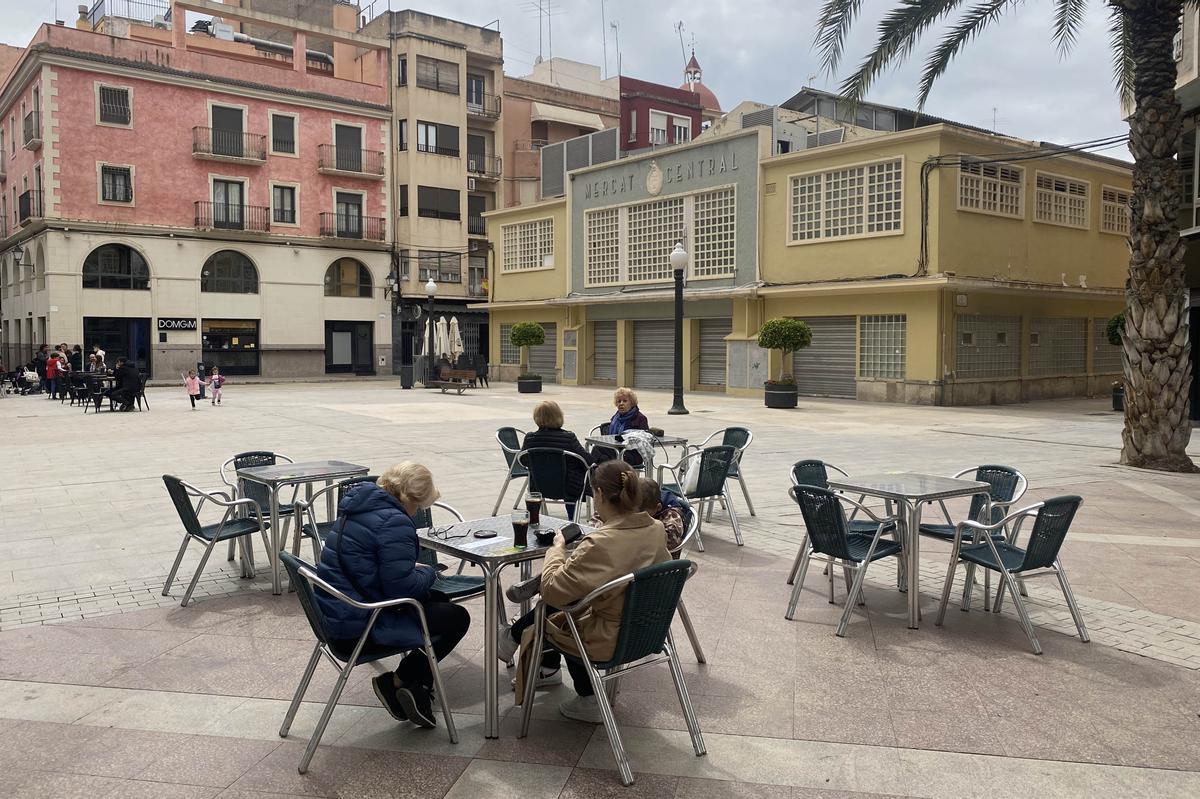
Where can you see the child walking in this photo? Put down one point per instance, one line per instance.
(215, 382)
(192, 384)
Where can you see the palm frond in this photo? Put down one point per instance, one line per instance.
(834, 22)
(1120, 39)
(969, 25)
(899, 33)
(1068, 19)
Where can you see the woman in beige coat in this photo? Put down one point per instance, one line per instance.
(627, 540)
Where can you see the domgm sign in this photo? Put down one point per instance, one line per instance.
(176, 323)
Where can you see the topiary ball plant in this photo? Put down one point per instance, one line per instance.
(787, 336)
(526, 335)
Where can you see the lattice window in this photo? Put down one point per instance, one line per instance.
(603, 247)
(1061, 201)
(1106, 358)
(1057, 346)
(1114, 210)
(991, 188)
(654, 227)
(508, 353)
(881, 346)
(527, 244)
(714, 234)
(856, 201)
(987, 346)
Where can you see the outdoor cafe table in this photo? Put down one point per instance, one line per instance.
(276, 477)
(910, 492)
(492, 555)
(612, 443)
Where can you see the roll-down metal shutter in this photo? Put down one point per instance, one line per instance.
(604, 350)
(826, 368)
(712, 350)
(653, 353)
(543, 358)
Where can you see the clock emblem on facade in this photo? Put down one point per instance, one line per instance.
(654, 179)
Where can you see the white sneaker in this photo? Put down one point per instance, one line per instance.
(506, 647)
(582, 708)
(546, 678)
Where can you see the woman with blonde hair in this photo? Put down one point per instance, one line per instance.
(371, 555)
(628, 417)
(548, 417)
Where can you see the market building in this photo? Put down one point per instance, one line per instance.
(992, 286)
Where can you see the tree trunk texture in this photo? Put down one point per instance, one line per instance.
(1157, 363)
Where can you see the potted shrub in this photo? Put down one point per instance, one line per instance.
(1113, 330)
(787, 336)
(526, 335)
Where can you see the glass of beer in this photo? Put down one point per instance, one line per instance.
(533, 504)
(520, 524)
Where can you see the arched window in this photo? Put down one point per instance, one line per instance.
(347, 277)
(229, 272)
(116, 266)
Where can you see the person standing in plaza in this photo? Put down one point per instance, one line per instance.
(39, 365)
(75, 358)
(215, 382)
(54, 372)
(192, 384)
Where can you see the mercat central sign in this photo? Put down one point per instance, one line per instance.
(675, 172)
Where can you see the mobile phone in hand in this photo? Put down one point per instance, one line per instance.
(571, 532)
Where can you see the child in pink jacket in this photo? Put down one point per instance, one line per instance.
(192, 384)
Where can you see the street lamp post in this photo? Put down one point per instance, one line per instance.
(430, 293)
(679, 258)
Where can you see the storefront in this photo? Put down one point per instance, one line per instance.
(119, 337)
(349, 347)
(231, 345)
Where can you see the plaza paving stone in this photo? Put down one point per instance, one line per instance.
(108, 688)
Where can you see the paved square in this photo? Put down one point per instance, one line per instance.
(109, 689)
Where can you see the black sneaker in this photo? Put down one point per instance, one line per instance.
(385, 689)
(417, 701)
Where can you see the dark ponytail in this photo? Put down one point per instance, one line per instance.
(618, 483)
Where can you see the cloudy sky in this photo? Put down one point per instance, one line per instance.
(761, 50)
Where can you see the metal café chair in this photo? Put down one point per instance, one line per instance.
(510, 439)
(259, 493)
(1006, 486)
(830, 536)
(814, 472)
(651, 598)
(740, 439)
(345, 655)
(1052, 520)
(550, 471)
(713, 464)
(232, 528)
(693, 524)
(306, 517)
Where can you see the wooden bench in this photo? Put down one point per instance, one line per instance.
(458, 380)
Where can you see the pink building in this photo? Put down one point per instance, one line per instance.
(183, 197)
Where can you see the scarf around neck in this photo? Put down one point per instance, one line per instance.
(620, 421)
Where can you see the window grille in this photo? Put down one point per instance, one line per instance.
(1106, 358)
(114, 105)
(654, 227)
(1114, 210)
(806, 207)
(884, 193)
(1061, 201)
(714, 239)
(508, 353)
(881, 347)
(603, 247)
(991, 188)
(991, 351)
(116, 184)
(842, 203)
(1061, 346)
(527, 244)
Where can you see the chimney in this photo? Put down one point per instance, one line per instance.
(83, 23)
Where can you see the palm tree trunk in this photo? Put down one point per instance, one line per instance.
(1158, 367)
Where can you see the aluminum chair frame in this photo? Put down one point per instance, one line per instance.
(220, 499)
(1009, 577)
(604, 684)
(583, 500)
(741, 451)
(854, 588)
(344, 668)
(804, 541)
(693, 639)
(303, 508)
(510, 455)
(231, 483)
(699, 503)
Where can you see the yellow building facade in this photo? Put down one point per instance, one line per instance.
(937, 265)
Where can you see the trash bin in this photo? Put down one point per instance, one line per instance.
(200, 374)
(406, 376)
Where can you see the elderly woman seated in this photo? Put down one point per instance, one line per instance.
(628, 417)
(548, 417)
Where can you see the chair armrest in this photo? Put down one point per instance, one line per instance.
(609, 586)
(861, 507)
(1028, 510)
(312, 577)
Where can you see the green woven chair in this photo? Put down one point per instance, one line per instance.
(651, 598)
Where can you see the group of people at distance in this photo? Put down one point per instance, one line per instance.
(372, 555)
(55, 368)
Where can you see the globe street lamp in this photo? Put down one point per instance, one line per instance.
(679, 259)
(430, 293)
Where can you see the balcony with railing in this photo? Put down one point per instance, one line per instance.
(214, 144)
(147, 12)
(483, 166)
(477, 284)
(352, 226)
(228, 216)
(529, 145)
(33, 131)
(436, 150)
(29, 207)
(483, 105)
(476, 226)
(352, 162)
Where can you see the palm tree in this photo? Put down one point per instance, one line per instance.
(1157, 360)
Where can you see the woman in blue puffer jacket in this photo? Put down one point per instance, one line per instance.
(371, 555)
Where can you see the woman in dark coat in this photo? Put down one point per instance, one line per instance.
(628, 417)
(548, 417)
(371, 555)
